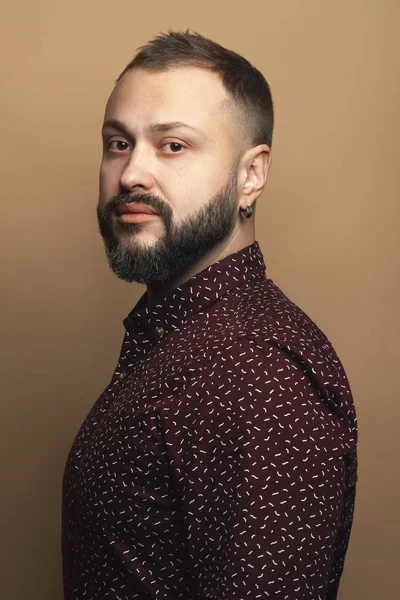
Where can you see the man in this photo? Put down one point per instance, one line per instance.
(220, 462)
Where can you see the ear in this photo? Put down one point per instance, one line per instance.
(256, 163)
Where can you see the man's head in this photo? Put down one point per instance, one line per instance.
(187, 135)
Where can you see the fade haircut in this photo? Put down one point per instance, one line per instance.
(249, 94)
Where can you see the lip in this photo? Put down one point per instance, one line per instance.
(136, 217)
(135, 209)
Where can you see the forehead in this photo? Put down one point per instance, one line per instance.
(189, 94)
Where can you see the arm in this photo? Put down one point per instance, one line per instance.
(260, 452)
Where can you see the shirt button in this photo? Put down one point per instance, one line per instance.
(160, 331)
(122, 375)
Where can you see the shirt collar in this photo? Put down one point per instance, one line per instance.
(198, 292)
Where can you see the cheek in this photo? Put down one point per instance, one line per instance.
(187, 199)
(194, 188)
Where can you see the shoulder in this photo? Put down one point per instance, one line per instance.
(269, 351)
(257, 393)
(262, 308)
(258, 319)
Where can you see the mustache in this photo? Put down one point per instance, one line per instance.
(154, 202)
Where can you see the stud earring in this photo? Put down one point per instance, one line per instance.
(246, 212)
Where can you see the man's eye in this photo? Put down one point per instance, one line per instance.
(120, 145)
(175, 147)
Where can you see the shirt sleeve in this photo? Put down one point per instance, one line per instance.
(261, 448)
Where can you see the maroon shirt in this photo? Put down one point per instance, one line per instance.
(220, 462)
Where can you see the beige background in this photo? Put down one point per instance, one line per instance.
(327, 224)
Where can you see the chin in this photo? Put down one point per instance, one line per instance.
(137, 238)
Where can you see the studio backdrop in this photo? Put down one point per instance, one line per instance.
(327, 224)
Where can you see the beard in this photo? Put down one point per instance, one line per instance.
(181, 245)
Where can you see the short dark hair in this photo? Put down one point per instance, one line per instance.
(244, 83)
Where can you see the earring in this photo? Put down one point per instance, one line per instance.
(246, 212)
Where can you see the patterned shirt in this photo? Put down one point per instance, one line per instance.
(220, 462)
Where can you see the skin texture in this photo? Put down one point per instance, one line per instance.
(182, 168)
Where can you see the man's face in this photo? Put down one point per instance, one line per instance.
(185, 173)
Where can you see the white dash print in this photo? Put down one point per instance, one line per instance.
(221, 460)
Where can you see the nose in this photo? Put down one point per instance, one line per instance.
(137, 171)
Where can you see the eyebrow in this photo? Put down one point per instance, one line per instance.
(154, 128)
